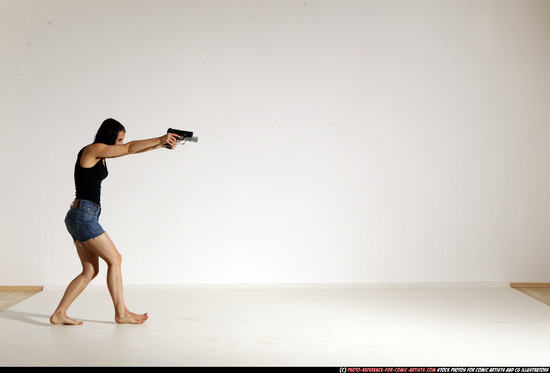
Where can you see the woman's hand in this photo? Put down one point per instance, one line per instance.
(170, 139)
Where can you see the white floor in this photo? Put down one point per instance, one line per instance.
(285, 325)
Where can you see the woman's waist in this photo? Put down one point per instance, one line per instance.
(79, 203)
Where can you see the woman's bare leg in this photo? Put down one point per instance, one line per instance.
(103, 247)
(90, 269)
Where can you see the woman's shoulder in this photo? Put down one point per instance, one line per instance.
(86, 156)
(81, 151)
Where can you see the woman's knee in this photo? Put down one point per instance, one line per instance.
(90, 271)
(95, 271)
(115, 260)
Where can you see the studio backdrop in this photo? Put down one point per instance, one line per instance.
(353, 141)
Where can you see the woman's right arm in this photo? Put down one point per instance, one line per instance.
(100, 150)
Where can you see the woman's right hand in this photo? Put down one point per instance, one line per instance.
(170, 139)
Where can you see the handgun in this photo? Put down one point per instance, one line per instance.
(182, 136)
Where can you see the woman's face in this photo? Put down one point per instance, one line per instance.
(120, 138)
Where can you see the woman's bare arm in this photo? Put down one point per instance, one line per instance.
(96, 151)
(151, 148)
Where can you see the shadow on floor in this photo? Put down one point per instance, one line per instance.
(40, 319)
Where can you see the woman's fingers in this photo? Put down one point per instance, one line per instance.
(174, 140)
(171, 139)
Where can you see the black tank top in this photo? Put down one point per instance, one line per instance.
(88, 180)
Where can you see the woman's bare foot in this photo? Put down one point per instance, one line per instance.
(59, 319)
(130, 318)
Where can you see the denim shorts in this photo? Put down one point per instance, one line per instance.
(82, 221)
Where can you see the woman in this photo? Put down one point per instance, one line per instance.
(91, 241)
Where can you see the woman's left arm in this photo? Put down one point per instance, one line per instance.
(149, 149)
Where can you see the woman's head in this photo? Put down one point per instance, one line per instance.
(109, 132)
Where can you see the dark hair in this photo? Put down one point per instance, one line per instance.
(108, 132)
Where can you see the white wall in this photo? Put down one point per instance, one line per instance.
(340, 140)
